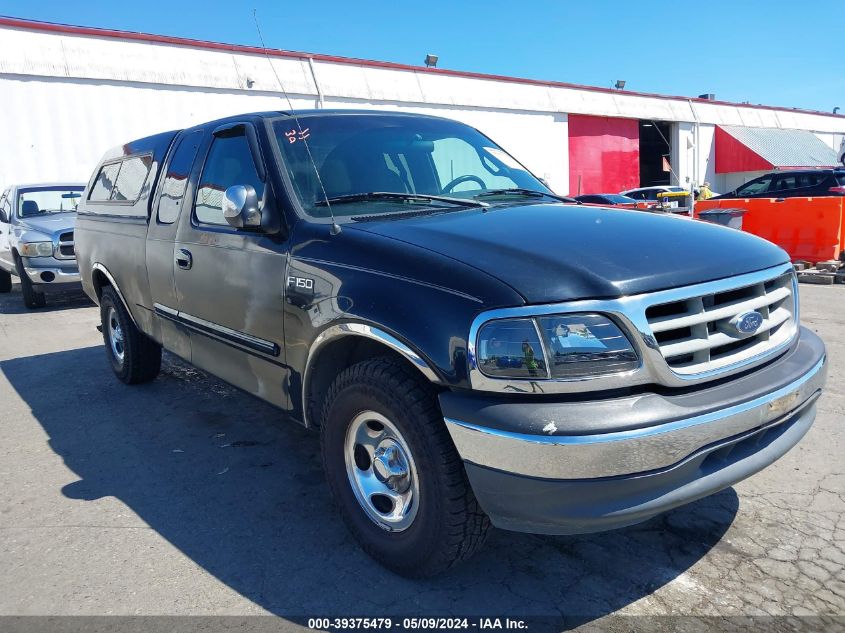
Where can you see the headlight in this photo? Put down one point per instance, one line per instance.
(37, 249)
(565, 346)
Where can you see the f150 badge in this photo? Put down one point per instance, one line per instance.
(302, 284)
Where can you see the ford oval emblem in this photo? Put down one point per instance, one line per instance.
(748, 322)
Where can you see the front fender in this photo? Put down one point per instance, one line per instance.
(412, 300)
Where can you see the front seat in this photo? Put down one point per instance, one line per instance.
(29, 208)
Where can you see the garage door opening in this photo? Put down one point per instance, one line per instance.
(655, 153)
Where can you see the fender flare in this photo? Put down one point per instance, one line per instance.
(362, 330)
(105, 271)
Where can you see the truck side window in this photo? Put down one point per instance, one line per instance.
(131, 178)
(101, 191)
(176, 179)
(229, 163)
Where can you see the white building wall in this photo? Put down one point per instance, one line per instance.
(67, 98)
(59, 130)
(63, 128)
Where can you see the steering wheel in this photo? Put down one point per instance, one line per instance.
(462, 179)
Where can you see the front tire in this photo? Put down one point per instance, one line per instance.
(134, 357)
(5, 282)
(31, 297)
(394, 472)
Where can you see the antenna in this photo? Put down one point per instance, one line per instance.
(335, 229)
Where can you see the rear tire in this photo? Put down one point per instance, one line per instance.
(394, 472)
(134, 357)
(31, 297)
(5, 281)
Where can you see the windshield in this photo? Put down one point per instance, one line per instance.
(362, 153)
(44, 200)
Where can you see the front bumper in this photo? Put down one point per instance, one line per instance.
(52, 275)
(581, 466)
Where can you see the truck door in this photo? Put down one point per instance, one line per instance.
(172, 192)
(6, 262)
(230, 282)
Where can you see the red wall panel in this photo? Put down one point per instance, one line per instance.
(604, 153)
(733, 156)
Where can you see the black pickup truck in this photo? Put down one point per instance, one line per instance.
(472, 349)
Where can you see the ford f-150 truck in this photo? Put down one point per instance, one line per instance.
(36, 238)
(472, 349)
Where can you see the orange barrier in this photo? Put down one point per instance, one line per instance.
(807, 228)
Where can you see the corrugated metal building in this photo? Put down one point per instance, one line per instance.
(67, 94)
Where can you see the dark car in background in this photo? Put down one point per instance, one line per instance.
(609, 200)
(793, 183)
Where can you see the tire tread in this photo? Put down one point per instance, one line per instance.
(467, 524)
(142, 356)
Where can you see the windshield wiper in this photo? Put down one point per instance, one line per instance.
(518, 191)
(390, 195)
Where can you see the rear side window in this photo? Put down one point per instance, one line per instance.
(813, 179)
(131, 178)
(840, 178)
(176, 179)
(229, 163)
(122, 180)
(785, 183)
(101, 191)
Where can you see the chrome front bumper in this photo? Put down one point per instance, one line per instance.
(654, 444)
(581, 465)
(59, 275)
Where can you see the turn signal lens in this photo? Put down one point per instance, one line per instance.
(510, 348)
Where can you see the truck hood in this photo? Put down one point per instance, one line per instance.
(555, 252)
(50, 223)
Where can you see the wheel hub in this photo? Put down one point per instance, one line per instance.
(391, 466)
(381, 471)
(116, 337)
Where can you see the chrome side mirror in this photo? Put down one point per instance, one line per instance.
(240, 207)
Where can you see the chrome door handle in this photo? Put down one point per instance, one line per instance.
(780, 199)
(184, 259)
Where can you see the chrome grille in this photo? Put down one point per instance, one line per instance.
(65, 249)
(695, 334)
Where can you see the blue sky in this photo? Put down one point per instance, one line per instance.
(775, 52)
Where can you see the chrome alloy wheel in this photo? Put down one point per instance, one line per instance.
(116, 337)
(381, 471)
